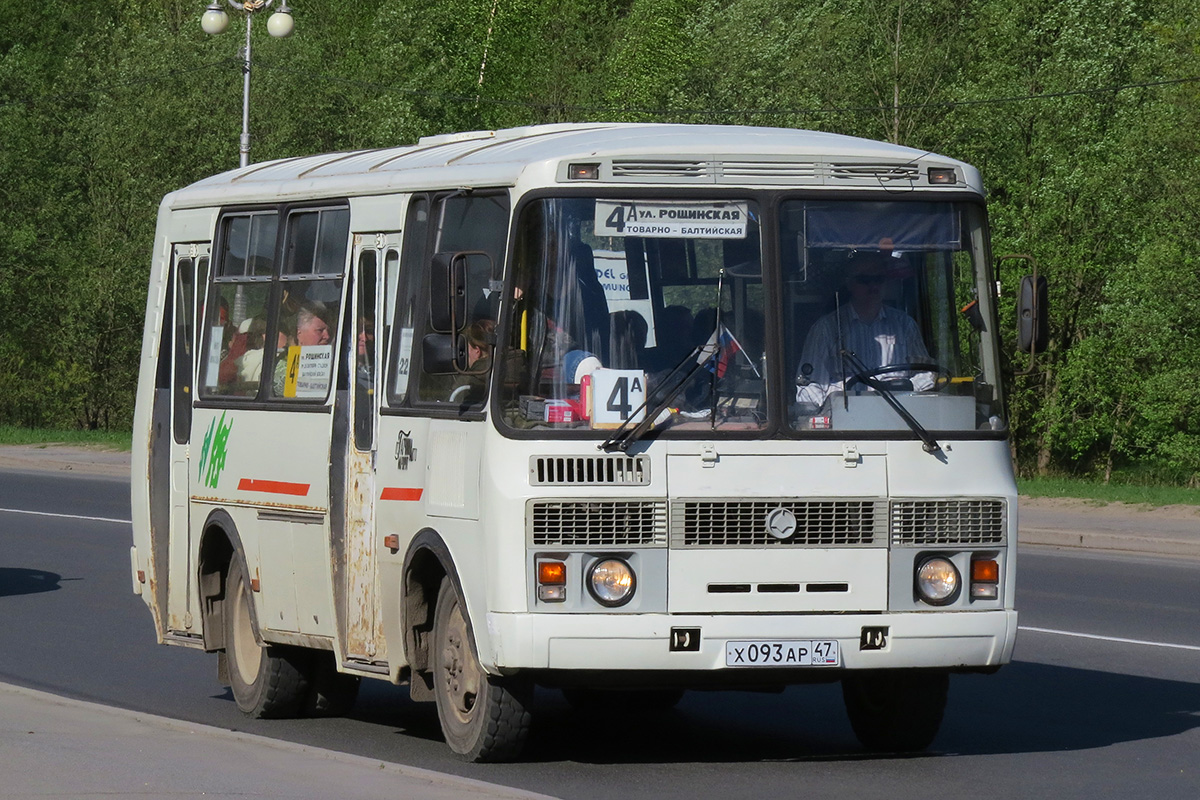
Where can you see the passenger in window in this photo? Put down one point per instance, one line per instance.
(309, 328)
(627, 339)
(365, 353)
(878, 334)
(233, 345)
(249, 364)
(470, 386)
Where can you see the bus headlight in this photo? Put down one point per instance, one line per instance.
(611, 582)
(938, 581)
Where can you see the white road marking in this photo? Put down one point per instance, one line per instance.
(66, 516)
(1110, 638)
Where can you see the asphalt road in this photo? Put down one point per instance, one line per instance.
(1103, 700)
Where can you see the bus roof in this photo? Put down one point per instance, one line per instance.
(635, 153)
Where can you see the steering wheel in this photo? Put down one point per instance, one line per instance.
(897, 384)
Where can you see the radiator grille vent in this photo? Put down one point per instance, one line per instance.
(743, 523)
(948, 522)
(589, 470)
(592, 523)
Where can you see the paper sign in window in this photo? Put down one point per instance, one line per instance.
(309, 369)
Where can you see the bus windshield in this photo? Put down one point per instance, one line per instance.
(886, 297)
(628, 307)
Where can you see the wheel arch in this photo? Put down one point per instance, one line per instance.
(220, 545)
(426, 563)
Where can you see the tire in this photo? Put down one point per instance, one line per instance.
(484, 718)
(331, 693)
(631, 701)
(895, 711)
(267, 682)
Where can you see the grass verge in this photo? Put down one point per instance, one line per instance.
(1110, 493)
(109, 440)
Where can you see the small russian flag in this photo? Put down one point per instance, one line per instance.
(718, 352)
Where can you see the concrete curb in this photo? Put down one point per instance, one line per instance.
(1100, 541)
(413, 782)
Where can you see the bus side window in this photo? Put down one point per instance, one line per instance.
(404, 326)
(310, 310)
(475, 225)
(240, 291)
(364, 353)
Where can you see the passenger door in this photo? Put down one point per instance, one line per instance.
(358, 592)
(188, 275)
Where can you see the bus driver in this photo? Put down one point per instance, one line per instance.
(877, 334)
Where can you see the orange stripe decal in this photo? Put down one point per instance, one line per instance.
(395, 493)
(273, 487)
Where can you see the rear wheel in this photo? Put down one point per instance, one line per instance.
(484, 717)
(267, 682)
(895, 710)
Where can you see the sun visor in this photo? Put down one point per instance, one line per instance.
(884, 225)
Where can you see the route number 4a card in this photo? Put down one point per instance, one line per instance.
(617, 397)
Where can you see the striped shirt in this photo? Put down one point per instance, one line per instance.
(891, 338)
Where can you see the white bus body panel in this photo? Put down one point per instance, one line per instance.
(274, 482)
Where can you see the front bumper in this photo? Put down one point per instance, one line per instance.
(641, 642)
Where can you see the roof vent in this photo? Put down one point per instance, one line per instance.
(661, 170)
(875, 172)
(767, 171)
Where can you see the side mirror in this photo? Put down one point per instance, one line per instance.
(1032, 325)
(448, 292)
(443, 353)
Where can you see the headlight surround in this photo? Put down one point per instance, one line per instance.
(611, 582)
(938, 581)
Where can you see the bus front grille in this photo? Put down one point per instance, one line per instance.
(921, 523)
(592, 523)
(598, 470)
(746, 523)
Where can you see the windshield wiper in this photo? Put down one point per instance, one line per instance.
(624, 436)
(929, 444)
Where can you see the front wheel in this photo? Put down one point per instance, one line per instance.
(484, 717)
(267, 682)
(895, 711)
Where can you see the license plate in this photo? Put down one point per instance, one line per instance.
(790, 653)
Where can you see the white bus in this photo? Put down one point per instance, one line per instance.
(623, 410)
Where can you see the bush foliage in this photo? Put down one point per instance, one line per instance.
(1081, 115)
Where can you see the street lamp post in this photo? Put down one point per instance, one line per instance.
(279, 25)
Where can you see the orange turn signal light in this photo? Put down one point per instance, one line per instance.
(552, 572)
(985, 570)
(942, 175)
(583, 172)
